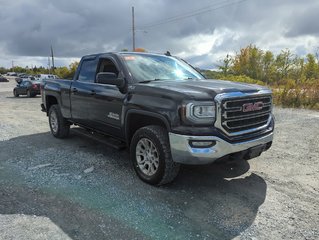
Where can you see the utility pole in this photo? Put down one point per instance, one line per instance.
(12, 64)
(49, 65)
(52, 59)
(133, 29)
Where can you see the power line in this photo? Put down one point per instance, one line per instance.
(193, 13)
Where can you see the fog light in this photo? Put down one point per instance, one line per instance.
(201, 144)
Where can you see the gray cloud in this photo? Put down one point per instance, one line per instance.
(75, 28)
(305, 23)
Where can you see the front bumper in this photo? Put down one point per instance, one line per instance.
(36, 91)
(183, 152)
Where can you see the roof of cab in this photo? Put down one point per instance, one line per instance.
(119, 53)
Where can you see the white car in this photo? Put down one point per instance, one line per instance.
(41, 77)
(11, 74)
(28, 78)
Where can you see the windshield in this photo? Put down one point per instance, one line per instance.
(144, 67)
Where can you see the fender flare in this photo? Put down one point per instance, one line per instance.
(145, 113)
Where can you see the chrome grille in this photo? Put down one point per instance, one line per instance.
(234, 120)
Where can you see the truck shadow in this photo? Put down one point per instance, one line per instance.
(44, 176)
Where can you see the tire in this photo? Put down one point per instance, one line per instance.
(59, 126)
(15, 94)
(153, 163)
(29, 94)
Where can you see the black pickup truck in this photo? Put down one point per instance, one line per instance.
(163, 110)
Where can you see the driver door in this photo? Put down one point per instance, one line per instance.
(106, 109)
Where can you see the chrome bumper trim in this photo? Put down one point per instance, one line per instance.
(182, 152)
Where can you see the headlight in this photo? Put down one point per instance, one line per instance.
(203, 111)
(200, 112)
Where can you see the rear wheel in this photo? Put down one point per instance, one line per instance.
(15, 94)
(151, 156)
(59, 126)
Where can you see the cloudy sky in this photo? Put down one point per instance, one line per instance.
(201, 31)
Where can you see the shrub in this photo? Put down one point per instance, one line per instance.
(305, 95)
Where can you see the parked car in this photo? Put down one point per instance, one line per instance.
(3, 79)
(14, 74)
(27, 87)
(41, 77)
(163, 110)
(22, 75)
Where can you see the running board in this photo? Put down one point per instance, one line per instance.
(109, 141)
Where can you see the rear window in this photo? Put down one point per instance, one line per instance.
(88, 70)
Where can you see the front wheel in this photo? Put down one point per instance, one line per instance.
(151, 156)
(15, 94)
(59, 126)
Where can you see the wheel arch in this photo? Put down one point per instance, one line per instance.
(49, 101)
(135, 119)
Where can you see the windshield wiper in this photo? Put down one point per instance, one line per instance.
(153, 80)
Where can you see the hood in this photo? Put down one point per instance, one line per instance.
(196, 89)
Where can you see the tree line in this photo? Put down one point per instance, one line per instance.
(63, 72)
(271, 69)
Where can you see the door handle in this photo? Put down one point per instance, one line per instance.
(74, 90)
(92, 92)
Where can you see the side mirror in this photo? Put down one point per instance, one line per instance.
(110, 78)
(18, 80)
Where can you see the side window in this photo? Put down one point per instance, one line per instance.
(24, 83)
(88, 70)
(106, 65)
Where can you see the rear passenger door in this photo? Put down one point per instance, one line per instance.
(82, 92)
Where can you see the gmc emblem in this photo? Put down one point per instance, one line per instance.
(249, 107)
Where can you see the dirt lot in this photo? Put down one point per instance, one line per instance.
(80, 189)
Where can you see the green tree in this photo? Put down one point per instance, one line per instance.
(3, 70)
(72, 68)
(298, 70)
(311, 67)
(62, 72)
(249, 62)
(226, 64)
(268, 69)
(285, 62)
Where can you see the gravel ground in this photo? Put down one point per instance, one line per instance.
(79, 189)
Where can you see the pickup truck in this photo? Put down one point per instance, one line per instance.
(163, 110)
